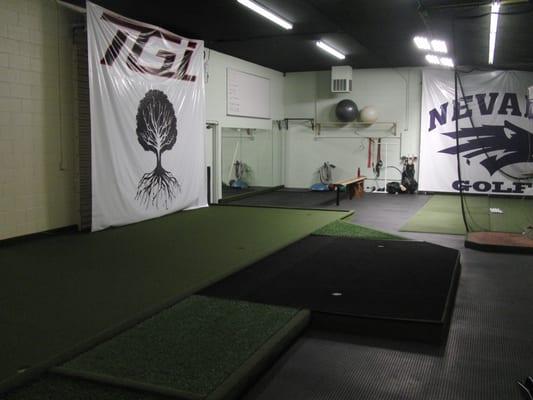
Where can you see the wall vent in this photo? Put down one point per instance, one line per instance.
(341, 79)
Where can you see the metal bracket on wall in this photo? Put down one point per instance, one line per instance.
(311, 121)
(250, 134)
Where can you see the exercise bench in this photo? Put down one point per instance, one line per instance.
(354, 187)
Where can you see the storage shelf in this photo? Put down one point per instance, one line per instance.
(387, 129)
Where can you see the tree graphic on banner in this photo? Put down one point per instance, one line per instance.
(156, 132)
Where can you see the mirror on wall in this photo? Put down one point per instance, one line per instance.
(251, 160)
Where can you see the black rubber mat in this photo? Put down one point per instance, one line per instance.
(404, 289)
(489, 346)
(228, 191)
(291, 199)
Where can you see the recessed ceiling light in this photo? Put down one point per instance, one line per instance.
(330, 50)
(422, 43)
(432, 59)
(447, 62)
(266, 13)
(494, 10)
(439, 46)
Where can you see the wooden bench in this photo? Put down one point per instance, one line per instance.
(354, 186)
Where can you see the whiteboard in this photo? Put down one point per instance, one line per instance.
(248, 95)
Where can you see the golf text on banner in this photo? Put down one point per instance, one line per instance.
(495, 135)
(147, 99)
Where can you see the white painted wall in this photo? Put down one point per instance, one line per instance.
(263, 154)
(394, 92)
(37, 126)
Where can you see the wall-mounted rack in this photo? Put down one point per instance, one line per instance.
(387, 129)
(249, 134)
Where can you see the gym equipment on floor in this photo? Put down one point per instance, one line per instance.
(324, 173)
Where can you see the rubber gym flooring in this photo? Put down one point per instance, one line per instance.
(59, 291)
(387, 288)
(290, 198)
(229, 193)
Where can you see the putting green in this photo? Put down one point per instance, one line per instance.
(59, 291)
(190, 349)
(346, 229)
(442, 214)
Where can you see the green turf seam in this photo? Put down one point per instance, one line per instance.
(125, 383)
(246, 374)
(349, 214)
(241, 196)
(393, 236)
(37, 370)
(341, 210)
(57, 387)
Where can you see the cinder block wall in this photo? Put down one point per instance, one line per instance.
(37, 117)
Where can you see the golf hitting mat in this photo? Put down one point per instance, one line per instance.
(200, 348)
(398, 289)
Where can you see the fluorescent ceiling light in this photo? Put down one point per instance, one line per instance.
(432, 59)
(439, 46)
(266, 13)
(446, 61)
(494, 10)
(330, 50)
(422, 43)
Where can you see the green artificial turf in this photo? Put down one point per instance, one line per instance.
(346, 229)
(61, 388)
(192, 347)
(442, 214)
(59, 291)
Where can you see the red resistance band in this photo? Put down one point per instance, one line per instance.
(369, 153)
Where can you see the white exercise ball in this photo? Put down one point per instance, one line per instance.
(368, 115)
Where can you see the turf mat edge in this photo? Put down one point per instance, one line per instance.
(262, 358)
(55, 387)
(127, 384)
(346, 229)
(193, 347)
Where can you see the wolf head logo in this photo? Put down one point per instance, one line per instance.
(512, 149)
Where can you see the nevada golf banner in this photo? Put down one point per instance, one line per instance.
(147, 101)
(495, 135)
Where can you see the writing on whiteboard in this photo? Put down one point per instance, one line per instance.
(248, 95)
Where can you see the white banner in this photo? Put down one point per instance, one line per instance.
(147, 100)
(495, 135)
